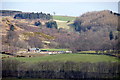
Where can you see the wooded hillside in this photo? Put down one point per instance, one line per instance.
(93, 31)
(96, 21)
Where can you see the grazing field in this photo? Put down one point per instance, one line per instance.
(56, 49)
(64, 22)
(87, 52)
(69, 57)
(65, 25)
(64, 18)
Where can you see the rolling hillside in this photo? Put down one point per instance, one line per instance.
(25, 40)
(97, 20)
(93, 32)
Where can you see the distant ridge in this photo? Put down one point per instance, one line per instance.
(9, 12)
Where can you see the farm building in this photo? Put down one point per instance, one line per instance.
(34, 50)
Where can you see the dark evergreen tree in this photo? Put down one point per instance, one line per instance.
(77, 26)
(12, 28)
(111, 36)
(116, 37)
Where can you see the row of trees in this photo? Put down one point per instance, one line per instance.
(33, 16)
(63, 70)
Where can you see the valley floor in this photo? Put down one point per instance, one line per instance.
(93, 58)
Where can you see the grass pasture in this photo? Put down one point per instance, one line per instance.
(64, 18)
(69, 57)
(87, 52)
(62, 21)
(63, 24)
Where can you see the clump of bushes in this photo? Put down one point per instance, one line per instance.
(38, 23)
(51, 24)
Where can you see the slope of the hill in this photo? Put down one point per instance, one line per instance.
(96, 21)
(21, 34)
(98, 28)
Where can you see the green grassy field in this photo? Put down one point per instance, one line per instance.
(64, 18)
(105, 51)
(87, 52)
(56, 49)
(69, 57)
(62, 21)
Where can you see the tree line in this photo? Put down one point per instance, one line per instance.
(33, 16)
(60, 70)
(9, 12)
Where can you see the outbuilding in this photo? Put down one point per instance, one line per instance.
(34, 50)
